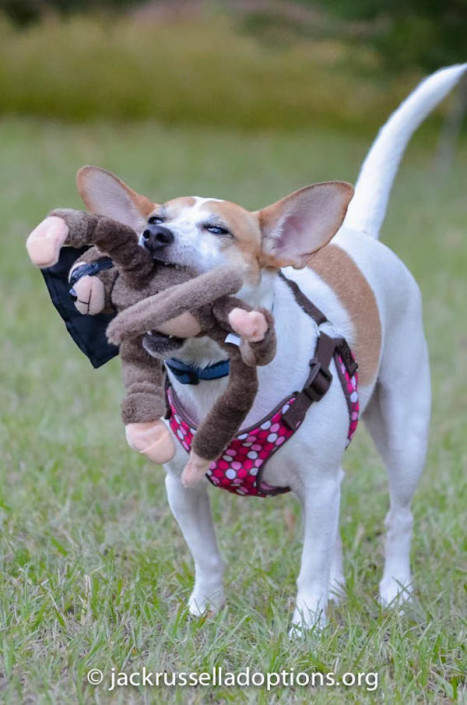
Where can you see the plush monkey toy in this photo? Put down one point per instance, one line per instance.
(132, 276)
(217, 317)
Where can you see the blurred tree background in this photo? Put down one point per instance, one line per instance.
(243, 63)
(424, 34)
(24, 12)
(421, 33)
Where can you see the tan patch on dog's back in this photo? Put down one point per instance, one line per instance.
(335, 267)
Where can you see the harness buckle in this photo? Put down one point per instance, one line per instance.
(318, 382)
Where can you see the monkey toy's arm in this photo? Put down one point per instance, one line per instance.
(92, 290)
(174, 311)
(75, 228)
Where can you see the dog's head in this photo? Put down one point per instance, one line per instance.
(203, 233)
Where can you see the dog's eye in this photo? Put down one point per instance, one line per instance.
(155, 219)
(216, 230)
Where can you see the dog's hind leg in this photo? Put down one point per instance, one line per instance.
(192, 510)
(337, 580)
(398, 417)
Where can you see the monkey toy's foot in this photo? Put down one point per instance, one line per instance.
(194, 470)
(152, 439)
(250, 325)
(44, 243)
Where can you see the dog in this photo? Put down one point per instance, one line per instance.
(369, 297)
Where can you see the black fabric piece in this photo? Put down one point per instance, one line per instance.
(88, 332)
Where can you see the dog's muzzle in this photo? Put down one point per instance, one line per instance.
(156, 237)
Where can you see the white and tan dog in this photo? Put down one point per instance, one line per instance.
(371, 299)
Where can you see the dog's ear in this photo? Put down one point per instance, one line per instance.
(106, 194)
(301, 223)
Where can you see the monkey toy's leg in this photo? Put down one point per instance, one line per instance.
(144, 403)
(258, 347)
(224, 419)
(256, 328)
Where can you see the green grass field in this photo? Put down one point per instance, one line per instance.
(94, 571)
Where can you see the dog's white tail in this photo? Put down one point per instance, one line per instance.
(368, 207)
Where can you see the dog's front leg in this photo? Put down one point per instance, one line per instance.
(192, 510)
(320, 501)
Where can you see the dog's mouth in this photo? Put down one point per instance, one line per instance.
(161, 345)
(158, 256)
(164, 263)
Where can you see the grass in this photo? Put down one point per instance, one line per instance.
(94, 571)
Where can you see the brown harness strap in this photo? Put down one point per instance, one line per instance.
(304, 303)
(320, 377)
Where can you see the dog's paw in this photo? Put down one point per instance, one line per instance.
(337, 591)
(395, 593)
(44, 243)
(249, 325)
(307, 619)
(202, 602)
(336, 587)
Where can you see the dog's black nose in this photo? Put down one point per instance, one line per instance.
(157, 236)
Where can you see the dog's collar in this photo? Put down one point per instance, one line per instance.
(188, 374)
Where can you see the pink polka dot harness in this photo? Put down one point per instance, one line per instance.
(240, 468)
